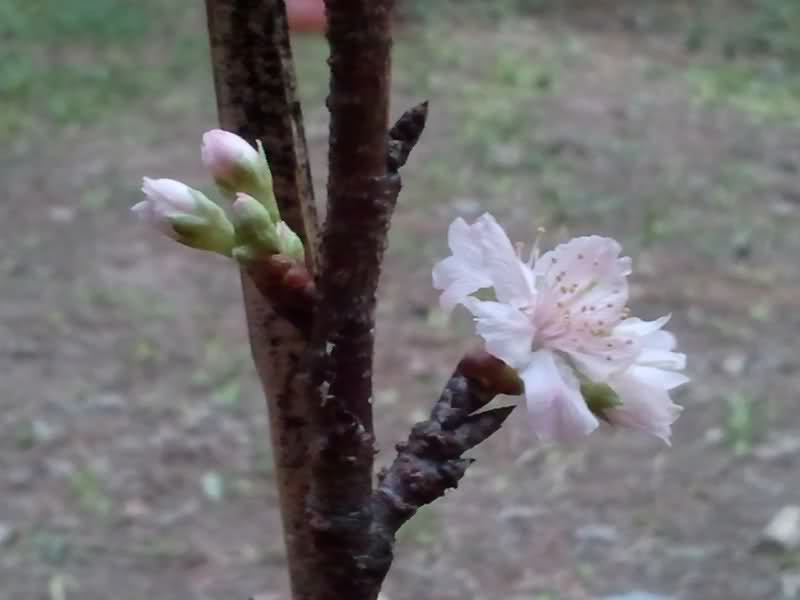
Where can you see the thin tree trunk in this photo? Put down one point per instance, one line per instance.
(255, 87)
(361, 197)
(312, 327)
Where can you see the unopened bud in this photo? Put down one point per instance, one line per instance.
(237, 167)
(185, 215)
(258, 235)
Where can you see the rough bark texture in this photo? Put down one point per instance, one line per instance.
(404, 135)
(431, 461)
(361, 197)
(290, 289)
(255, 89)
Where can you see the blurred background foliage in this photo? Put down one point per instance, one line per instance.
(133, 458)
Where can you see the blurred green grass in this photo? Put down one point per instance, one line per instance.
(72, 64)
(137, 65)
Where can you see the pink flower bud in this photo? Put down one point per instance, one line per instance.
(164, 198)
(185, 215)
(228, 157)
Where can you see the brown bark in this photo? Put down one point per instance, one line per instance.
(256, 98)
(361, 198)
(312, 327)
(431, 460)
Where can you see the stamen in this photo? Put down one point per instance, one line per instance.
(535, 249)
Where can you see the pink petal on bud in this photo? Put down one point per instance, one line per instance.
(225, 154)
(169, 196)
(164, 198)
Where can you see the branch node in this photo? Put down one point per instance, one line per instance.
(404, 135)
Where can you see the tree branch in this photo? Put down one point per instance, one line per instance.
(255, 87)
(288, 285)
(431, 460)
(361, 199)
(289, 288)
(361, 196)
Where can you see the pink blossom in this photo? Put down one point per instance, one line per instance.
(643, 387)
(561, 319)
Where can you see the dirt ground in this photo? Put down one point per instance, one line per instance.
(133, 456)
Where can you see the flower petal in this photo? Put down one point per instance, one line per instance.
(169, 196)
(511, 278)
(557, 411)
(599, 357)
(507, 331)
(662, 359)
(482, 257)
(659, 378)
(586, 277)
(457, 280)
(143, 210)
(224, 154)
(463, 243)
(644, 406)
(638, 327)
(463, 273)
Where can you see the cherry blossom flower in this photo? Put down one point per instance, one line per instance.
(560, 319)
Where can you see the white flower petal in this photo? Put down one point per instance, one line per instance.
(507, 331)
(511, 278)
(457, 280)
(462, 241)
(658, 378)
(598, 356)
(556, 408)
(458, 292)
(644, 407)
(464, 272)
(143, 210)
(587, 278)
(169, 196)
(659, 340)
(662, 359)
(638, 327)
(482, 257)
